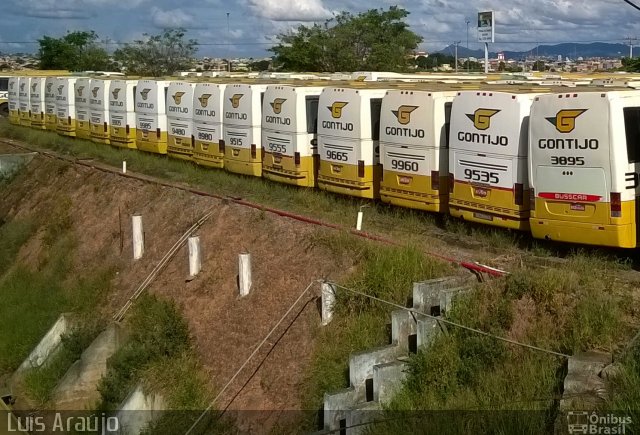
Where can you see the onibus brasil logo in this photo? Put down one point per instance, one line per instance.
(583, 422)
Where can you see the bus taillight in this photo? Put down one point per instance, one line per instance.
(616, 205)
(221, 146)
(361, 168)
(158, 132)
(451, 180)
(532, 199)
(296, 158)
(253, 151)
(262, 152)
(69, 118)
(106, 128)
(435, 180)
(519, 193)
(193, 141)
(127, 129)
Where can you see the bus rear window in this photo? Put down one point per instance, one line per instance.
(4, 85)
(447, 122)
(376, 105)
(312, 114)
(632, 131)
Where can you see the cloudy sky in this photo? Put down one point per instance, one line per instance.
(254, 23)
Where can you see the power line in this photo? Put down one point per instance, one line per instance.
(632, 4)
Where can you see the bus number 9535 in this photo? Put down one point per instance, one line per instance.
(404, 165)
(482, 176)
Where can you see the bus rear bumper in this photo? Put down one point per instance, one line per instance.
(415, 200)
(485, 217)
(618, 236)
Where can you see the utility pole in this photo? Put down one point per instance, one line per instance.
(456, 44)
(468, 63)
(631, 41)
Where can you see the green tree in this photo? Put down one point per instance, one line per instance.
(75, 51)
(158, 55)
(631, 65)
(260, 65)
(375, 40)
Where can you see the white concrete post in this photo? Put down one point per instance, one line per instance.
(328, 300)
(359, 221)
(124, 166)
(138, 237)
(244, 274)
(195, 256)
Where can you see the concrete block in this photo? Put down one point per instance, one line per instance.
(447, 297)
(425, 293)
(359, 417)
(427, 330)
(387, 381)
(138, 410)
(591, 362)
(336, 406)
(78, 387)
(402, 325)
(361, 363)
(48, 345)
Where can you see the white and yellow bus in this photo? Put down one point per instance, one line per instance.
(37, 102)
(414, 150)
(207, 124)
(24, 101)
(289, 134)
(180, 119)
(99, 111)
(13, 100)
(488, 157)
(242, 123)
(50, 116)
(122, 114)
(584, 166)
(82, 93)
(348, 134)
(151, 116)
(66, 106)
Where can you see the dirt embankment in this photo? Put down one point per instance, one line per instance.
(225, 328)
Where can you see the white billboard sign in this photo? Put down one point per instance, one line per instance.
(486, 26)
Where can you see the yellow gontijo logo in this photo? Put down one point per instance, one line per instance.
(204, 99)
(177, 97)
(235, 100)
(404, 113)
(565, 120)
(60, 89)
(22, 86)
(336, 108)
(482, 118)
(115, 93)
(34, 86)
(49, 86)
(11, 85)
(94, 91)
(80, 89)
(277, 105)
(145, 93)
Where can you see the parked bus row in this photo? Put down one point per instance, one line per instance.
(555, 158)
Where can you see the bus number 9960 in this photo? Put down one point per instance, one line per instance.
(482, 176)
(404, 165)
(567, 161)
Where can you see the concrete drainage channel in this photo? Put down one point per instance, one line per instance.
(12, 163)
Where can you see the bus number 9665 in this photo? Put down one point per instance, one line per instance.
(404, 165)
(335, 155)
(482, 176)
(277, 148)
(567, 161)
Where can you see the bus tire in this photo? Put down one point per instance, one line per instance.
(4, 110)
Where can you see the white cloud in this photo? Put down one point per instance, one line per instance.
(68, 8)
(290, 10)
(170, 18)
